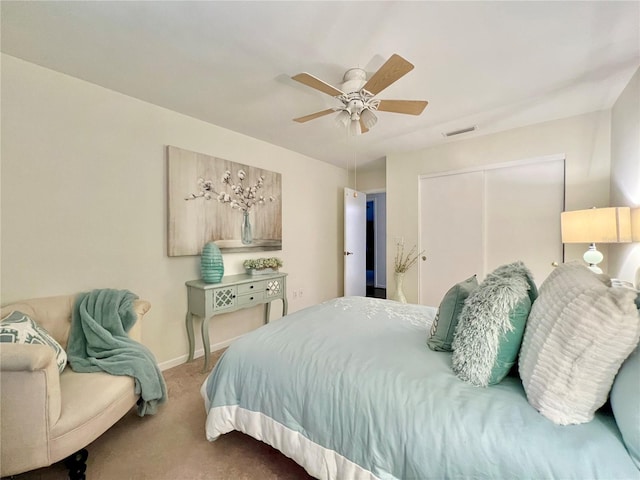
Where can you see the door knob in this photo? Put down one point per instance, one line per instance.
(424, 258)
(348, 253)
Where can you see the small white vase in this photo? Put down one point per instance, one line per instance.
(398, 295)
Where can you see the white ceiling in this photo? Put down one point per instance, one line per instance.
(497, 65)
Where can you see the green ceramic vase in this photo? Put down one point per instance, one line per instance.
(211, 264)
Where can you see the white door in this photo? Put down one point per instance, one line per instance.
(522, 210)
(451, 233)
(355, 243)
(476, 220)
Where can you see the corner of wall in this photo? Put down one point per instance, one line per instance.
(624, 259)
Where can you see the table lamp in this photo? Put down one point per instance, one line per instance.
(596, 225)
(635, 224)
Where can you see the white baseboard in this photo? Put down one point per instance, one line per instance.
(197, 354)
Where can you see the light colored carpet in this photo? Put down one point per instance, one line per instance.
(171, 445)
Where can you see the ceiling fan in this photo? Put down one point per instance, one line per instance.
(357, 95)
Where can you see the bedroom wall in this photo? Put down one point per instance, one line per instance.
(370, 179)
(624, 259)
(84, 203)
(584, 140)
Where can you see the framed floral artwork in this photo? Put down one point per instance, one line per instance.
(237, 206)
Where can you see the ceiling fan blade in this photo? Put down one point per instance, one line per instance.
(411, 107)
(393, 69)
(313, 82)
(363, 128)
(312, 116)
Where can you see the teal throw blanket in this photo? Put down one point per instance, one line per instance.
(98, 341)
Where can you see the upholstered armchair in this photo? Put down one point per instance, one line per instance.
(45, 415)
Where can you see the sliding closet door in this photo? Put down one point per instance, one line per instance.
(474, 221)
(451, 233)
(522, 216)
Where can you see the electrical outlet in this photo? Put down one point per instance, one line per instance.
(295, 293)
(300, 293)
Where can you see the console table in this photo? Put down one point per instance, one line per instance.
(233, 293)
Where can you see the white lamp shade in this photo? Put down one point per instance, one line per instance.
(368, 118)
(596, 225)
(354, 127)
(343, 119)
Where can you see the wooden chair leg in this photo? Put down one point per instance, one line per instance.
(77, 464)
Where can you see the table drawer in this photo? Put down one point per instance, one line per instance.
(251, 287)
(249, 298)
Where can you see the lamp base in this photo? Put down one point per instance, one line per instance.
(593, 257)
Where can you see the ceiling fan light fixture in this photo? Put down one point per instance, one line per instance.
(368, 118)
(354, 128)
(357, 95)
(343, 119)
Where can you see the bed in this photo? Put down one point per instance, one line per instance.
(348, 390)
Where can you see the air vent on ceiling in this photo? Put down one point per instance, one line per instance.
(459, 132)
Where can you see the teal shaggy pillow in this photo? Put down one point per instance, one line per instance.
(489, 333)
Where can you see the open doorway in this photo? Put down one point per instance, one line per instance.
(376, 251)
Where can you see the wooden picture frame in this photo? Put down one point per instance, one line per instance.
(207, 201)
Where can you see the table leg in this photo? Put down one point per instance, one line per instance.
(205, 342)
(267, 309)
(190, 336)
(267, 312)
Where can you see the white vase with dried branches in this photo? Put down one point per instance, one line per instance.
(402, 264)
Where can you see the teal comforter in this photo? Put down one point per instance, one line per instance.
(349, 389)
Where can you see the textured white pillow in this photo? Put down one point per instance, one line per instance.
(579, 332)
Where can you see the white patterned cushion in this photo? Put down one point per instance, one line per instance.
(579, 332)
(19, 328)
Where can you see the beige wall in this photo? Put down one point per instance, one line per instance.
(584, 140)
(371, 180)
(624, 259)
(84, 203)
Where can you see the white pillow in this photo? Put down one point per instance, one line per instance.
(19, 328)
(578, 334)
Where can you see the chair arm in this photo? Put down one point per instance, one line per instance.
(31, 404)
(18, 357)
(141, 307)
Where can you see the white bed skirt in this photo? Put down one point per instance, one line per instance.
(318, 461)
